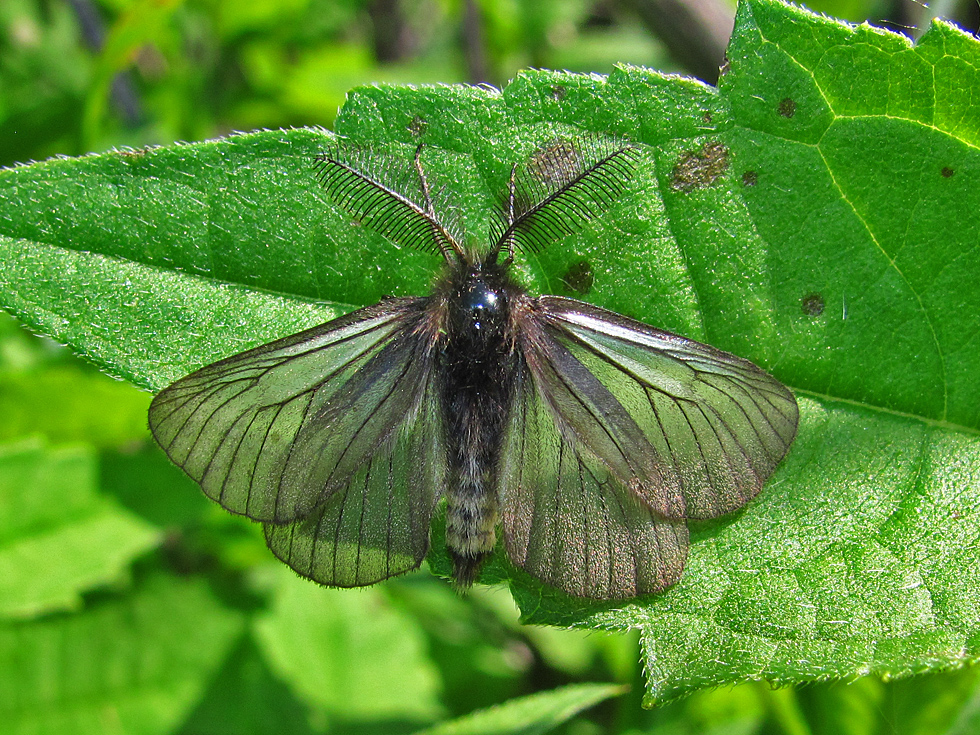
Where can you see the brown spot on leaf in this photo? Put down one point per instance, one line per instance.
(558, 92)
(812, 304)
(947, 172)
(750, 178)
(700, 169)
(706, 116)
(787, 107)
(417, 126)
(579, 277)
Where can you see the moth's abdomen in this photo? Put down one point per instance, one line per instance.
(472, 513)
(476, 399)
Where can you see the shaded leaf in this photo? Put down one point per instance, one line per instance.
(137, 663)
(245, 698)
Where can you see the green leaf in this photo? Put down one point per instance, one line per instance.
(135, 664)
(246, 699)
(933, 704)
(350, 654)
(126, 302)
(472, 640)
(968, 718)
(68, 404)
(818, 214)
(537, 713)
(740, 710)
(852, 708)
(58, 536)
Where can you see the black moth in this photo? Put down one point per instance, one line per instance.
(589, 437)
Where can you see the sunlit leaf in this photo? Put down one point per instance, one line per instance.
(817, 214)
(59, 537)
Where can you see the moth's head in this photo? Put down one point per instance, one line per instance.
(479, 304)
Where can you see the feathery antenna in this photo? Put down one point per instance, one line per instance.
(384, 195)
(561, 187)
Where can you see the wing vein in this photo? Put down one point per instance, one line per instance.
(234, 455)
(204, 423)
(374, 412)
(265, 438)
(599, 421)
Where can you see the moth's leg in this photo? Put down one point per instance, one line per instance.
(511, 204)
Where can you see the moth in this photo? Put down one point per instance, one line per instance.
(589, 438)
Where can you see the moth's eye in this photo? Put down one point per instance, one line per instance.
(483, 309)
(483, 304)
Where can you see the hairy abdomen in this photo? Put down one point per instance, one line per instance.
(476, 398)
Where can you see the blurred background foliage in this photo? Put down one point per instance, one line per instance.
(79, 75)
(85, 75)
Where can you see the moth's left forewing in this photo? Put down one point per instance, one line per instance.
(568, 521)
(716, 425)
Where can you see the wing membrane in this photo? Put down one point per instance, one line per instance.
(378, 525)
(272, 431)
(568, 521)
(714, 426)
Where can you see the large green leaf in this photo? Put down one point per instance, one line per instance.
(818, 213)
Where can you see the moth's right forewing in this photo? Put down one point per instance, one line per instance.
(377, 525)
(234, 426)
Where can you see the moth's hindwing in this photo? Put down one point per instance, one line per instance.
(378, 525)
(568, 521)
